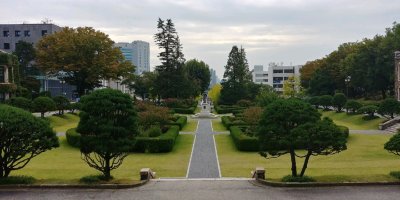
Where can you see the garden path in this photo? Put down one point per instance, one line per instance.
(204, 159)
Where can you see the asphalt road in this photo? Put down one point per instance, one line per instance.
(210, 190)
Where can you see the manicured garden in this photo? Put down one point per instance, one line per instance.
(364, 160)
(64, 164)
(61, 123)
(353, 121)
(191, 126)
(218, 126)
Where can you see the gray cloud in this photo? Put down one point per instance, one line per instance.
(289, 31)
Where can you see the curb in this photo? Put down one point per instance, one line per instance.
(312, 184)
(76, 186)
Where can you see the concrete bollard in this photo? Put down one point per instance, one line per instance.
(259, 173)
(146, 174)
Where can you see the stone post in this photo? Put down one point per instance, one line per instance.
(397, 75)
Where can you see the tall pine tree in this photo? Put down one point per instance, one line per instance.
(171, 82)
(236, 77)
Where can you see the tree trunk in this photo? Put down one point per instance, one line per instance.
(383, 94)
(6, 172)
(107, 171)
(293, 160)
(303, 170)
(42, 114)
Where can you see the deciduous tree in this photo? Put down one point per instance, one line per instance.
(84, 54)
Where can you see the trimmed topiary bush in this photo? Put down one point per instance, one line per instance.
(160, 144)
(73, 137)
(190, 110)
(12, 180)
(242, 141)
(395, 174)
(153, 131)
(20, 102)
(181, 122)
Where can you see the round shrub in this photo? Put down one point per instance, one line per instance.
(395, 174)
(153, 131)
(73, 137)
(20, 102)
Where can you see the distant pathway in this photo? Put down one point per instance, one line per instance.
(204, 159)
(370, 132)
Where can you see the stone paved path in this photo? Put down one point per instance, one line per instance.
(204, 162)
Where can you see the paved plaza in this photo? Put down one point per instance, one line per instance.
(211, 190)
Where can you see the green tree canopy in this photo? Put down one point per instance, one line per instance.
(84, 54)
(236, 77)
(199, 73)
(338, 101)
(277, 123)
(43, 105)
(22, 137)
(389, 107)
(108, 127)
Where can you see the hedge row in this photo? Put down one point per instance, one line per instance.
(242, 141)
(160, 144)
(190, 110)
(226, 121)
(223, 109)
(181, 122)
(73, 137)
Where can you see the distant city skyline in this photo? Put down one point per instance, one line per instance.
(292, 31)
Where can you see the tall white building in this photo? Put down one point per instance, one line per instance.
(141, 56)
(214, 78)
(138, 52)
(275, 74)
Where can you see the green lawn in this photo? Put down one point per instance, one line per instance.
(191, 126)
(64, 165)
(364, 160)
(353, 122)
(64, 122)
(218, 126)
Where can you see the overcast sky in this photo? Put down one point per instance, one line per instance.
(288, 31)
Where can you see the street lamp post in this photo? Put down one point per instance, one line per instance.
(117, 83)
(347, 81)
(62, 86)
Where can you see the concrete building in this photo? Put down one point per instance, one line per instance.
(141, 56)
(275, 75)
(397, 75)
(32, 33)
(138, 52)
(214, 78)
(7, 87)
(11, 34)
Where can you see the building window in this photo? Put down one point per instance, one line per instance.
(27, 33)
(277, 79)
(6, 45)
(17, 33)
(289, 71)
(6, 33)
(44, 32)
(277, 71)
